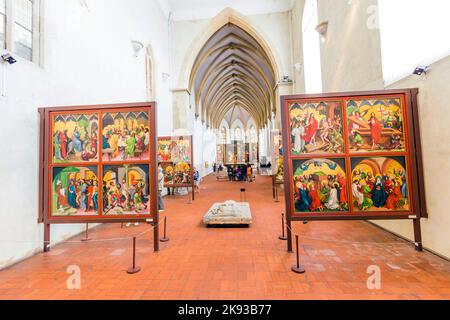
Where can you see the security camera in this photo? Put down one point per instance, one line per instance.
(8, 58)
(420, 70)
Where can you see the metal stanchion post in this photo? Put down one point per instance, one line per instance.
(134, 269)
(298, 268)
(243, 195)
(86, 235)
(283, 235)
(165, 238)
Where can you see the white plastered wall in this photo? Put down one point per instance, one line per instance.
(87, 59)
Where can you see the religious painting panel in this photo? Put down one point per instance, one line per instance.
(126, 190)
(253, 153)
(177, 174)
(320, 186)
(231, 154)
(277, 155)
(126, 136)
(175, 157)
(316, 128)
(376, 125)
(240, 152)
(175, 149)
(380, 184)
(75, 138)
(220, 154)
(74, 192)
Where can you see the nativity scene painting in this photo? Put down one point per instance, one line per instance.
(126, 136)
(126, 190)
(380, 184)
(75, 138)
(320, 186)
(375, 125)
(75, 191)
(316, 128)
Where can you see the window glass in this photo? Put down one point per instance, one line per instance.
(311, 48)
(23, 28)
(2, 23)
(413, 33)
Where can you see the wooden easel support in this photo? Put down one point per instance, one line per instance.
(86, 234)
(289, 236)
(47, 247)
(418, 235)
(276, 194)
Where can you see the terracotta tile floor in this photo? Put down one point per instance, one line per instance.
(201, 263)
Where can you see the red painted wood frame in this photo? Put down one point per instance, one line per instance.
(412, 155)
(182, 185)
(47, 165)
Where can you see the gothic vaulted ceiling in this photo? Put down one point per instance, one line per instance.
(232, 70)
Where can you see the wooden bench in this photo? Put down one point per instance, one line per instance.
(222, 177)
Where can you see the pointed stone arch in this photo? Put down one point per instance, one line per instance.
(227, 16)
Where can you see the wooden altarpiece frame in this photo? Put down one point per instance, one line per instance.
(412, 154)
(48, 165)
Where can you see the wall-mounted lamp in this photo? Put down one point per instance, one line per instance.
(298, 67)
(322, 29)
(137, 47)
(165, 76)
(84, 4)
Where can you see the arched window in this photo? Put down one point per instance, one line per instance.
(223, 135)
(413, 33)
(238, 134)
(253, 135)
(20, 28)
(311, 48)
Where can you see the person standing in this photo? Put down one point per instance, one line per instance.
(249, 173)
(160, 188)
(230, 173)
(196, 181)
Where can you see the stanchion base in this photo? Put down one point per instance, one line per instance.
(164, 240)
(284, 238)
(133, 270)
(86, 240)
(299, 270)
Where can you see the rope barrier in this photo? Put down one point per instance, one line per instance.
(95, 240)
(342, 241)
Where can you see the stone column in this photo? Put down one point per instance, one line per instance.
(181, 109)
(281, 89)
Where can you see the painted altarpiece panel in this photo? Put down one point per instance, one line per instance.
(353, 156)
